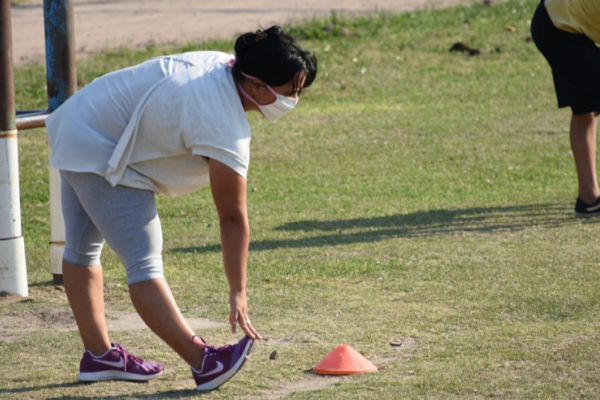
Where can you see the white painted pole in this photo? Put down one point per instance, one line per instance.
(13, 273)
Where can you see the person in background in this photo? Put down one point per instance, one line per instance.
(170, 126)
(566, 33)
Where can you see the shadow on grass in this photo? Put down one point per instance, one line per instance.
(411, 225)
(29, 392)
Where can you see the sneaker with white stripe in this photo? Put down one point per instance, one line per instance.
(220, 364)
(116, 363)
(584, 210)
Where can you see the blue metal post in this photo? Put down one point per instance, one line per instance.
(59, 29)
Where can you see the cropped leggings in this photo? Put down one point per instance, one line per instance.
(95, 211)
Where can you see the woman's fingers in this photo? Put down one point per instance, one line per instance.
(247, 327)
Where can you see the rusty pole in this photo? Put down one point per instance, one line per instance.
(62, 83)
(13, 272)
(7, 82)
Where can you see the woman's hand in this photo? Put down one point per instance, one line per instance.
(239, 315)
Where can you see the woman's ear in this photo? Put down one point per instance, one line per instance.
(256, 86)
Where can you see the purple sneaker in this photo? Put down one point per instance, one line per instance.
(221, 364)
(116, 363)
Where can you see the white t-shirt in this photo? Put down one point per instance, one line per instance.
(153, 125)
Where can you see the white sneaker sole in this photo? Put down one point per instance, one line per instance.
(114, 375)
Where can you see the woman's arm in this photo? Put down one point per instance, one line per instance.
(229, 194)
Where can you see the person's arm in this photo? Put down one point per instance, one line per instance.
(229, 194)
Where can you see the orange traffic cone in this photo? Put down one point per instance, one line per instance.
(344, 360)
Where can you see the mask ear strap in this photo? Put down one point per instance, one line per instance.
(246, 95)
(256, 79)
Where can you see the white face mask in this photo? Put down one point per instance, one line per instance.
(279, 107)
(275, 110)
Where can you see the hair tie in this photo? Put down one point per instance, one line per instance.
(260, 34)
(231, 62)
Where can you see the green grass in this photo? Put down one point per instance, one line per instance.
(414, 193)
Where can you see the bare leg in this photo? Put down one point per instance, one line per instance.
(85, 291)
(583, 145)
(107, 207)
(152, 299)
(154, 302)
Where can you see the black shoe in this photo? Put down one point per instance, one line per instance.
(584, 210)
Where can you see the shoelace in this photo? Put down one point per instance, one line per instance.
(205, 345)
(127, 356)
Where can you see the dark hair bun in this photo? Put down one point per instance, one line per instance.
(273, 57)
(261, 38)
(244, 43)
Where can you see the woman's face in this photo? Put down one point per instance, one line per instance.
(265, 96)
(289, 90)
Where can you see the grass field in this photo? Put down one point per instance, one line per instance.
(415, 194)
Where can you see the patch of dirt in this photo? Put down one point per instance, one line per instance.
(14, 327)
(127, 321)
(403, 342)
(31, 320)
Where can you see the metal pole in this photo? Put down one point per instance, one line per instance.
(13, 272)
(30, 120)
(62, 83)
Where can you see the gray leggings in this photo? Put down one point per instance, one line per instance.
(94, 210)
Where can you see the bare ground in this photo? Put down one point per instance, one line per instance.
(15, 327)
(101, 24)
